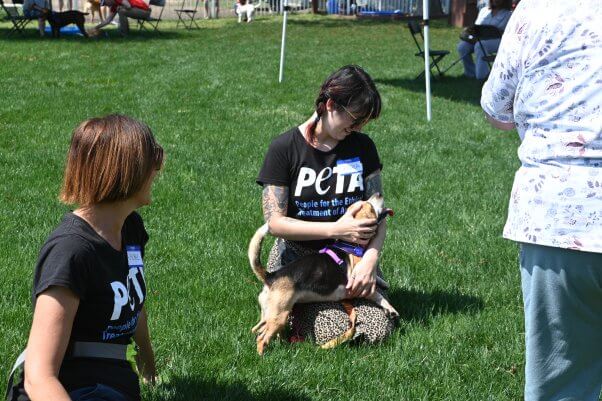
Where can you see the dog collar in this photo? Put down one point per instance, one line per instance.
(332, 255)
(349, 248)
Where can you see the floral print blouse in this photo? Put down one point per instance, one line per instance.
(547, 79)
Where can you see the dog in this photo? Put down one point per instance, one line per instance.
(244, 7)
(311, 278)
(93, 7)
(61, 19)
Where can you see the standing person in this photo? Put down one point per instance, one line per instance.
(547, 82)
(209, 4)
(497, 14)
(39, 9)
(311, 175)
(89, 289)
(125, 8)
(61, 4)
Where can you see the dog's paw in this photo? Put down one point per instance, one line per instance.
(392, 314)
(261, 344)
(93, 33)
(259, 326)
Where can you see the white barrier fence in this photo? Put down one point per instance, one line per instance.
(225, 8)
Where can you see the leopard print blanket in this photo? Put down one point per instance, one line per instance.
(325, 321)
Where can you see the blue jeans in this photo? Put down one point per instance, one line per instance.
(32, 13)
(562, 295)
(99, 392)
(465, 50)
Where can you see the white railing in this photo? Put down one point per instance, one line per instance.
(225, 8)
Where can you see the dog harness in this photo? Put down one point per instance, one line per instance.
(333, 255)
(350, 248)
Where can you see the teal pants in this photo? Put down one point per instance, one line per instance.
(562, 295)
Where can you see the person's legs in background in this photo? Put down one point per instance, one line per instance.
(124, 27)
(61, 4)
(562, 295)
(42, 25)
(465, 50)
(209, 4)
(41, 19)
(490, 46)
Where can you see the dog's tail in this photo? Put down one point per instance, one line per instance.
(255, 253)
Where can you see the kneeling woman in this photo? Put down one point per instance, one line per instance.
(311, 175)
(89, 288)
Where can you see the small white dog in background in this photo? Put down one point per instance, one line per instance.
(244, 7)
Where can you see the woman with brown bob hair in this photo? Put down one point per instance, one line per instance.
(313, 176)
(89, 288)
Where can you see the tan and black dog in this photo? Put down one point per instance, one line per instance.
(311, 278)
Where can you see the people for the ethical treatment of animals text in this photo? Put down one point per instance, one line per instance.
(547, 82)
(497, 14)
(124, 8)
(89, 289)
(313, 176)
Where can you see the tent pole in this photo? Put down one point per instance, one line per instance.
(283, 45)
(427, 58)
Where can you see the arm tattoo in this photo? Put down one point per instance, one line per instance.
(274, 201)
(373, 185)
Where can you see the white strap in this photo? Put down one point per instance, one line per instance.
(20, 361)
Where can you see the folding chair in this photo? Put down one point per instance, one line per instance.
(187, 15)
(152, 21)
(486, 32)
(435, 55)
(14, 14)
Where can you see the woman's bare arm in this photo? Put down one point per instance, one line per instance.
(275, 205)
(50, 331)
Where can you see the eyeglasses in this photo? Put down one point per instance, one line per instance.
(356, 120)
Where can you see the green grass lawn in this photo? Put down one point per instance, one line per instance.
(212, 98)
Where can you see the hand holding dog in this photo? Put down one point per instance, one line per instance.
(357, 231)
(362, 282)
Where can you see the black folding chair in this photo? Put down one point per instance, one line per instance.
(486, 32)
(151, 21)
(435, 55)
(186, 16)
(14, 14)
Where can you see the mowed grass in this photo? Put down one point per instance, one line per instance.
(212, 98)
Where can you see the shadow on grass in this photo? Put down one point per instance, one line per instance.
(334, 22)
(421, 307)
(31, 35)
(197, 389)
(456, 89)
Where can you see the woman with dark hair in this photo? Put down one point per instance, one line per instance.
(312, 175)
(89, 288)
(497, 14)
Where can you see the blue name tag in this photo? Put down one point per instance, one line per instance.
(134, 255)
(350, 166)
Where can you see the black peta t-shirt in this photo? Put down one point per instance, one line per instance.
(111, 290)
(321, 184)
